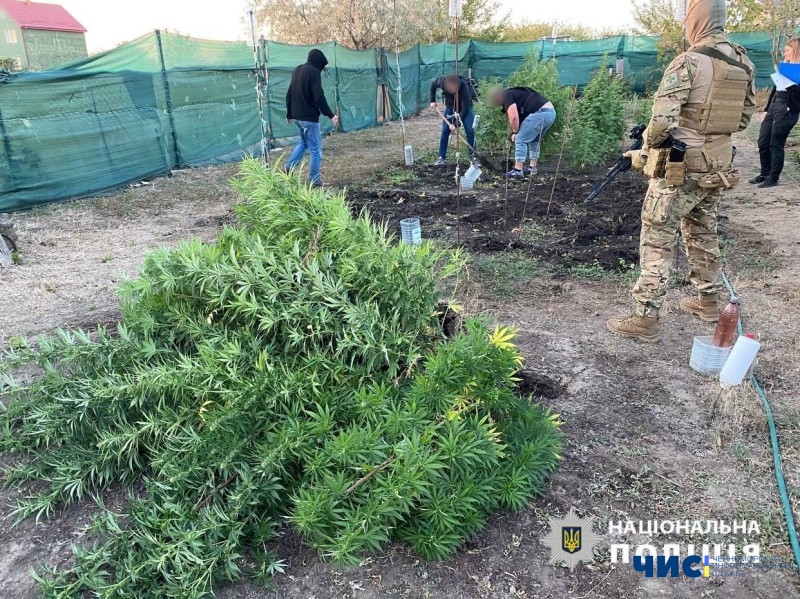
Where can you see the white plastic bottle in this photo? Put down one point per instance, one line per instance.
(739, 362)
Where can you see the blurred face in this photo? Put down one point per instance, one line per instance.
(496, 97)
(790, 53)
(451, 87)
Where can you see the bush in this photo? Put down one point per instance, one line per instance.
(598, 121)
(295, 369)
(539, 75)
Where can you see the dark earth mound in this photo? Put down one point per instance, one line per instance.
(564, 231)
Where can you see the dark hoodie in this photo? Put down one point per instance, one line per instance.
(465, 96)
(305, 100)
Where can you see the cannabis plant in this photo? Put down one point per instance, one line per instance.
(293, 371)
(598, 121)
(539, 75)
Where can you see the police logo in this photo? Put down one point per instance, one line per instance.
(571, 539)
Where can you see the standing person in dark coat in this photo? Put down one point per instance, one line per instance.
(782, 113)
(458, 99)
(305, 102)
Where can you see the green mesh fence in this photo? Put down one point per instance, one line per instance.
(165, 100)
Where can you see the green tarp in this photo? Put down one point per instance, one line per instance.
(166, 100)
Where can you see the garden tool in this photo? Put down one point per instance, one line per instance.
(483, 158)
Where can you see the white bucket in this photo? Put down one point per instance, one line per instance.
(409, 152)
(706, 357)
(470, 177)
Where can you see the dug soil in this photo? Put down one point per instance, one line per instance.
(544, 216)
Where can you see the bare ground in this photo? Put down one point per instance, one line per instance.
(646, 437)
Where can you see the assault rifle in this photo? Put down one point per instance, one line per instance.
(622, 164)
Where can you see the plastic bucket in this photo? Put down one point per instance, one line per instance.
(409, 153)
(706, 357)
(470, 177)
(411, 231)
(741, 359)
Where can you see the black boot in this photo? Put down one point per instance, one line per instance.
(757, 180)
(768, 183)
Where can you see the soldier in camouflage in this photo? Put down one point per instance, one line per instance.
(707, 94)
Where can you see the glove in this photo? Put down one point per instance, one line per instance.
(638, 159)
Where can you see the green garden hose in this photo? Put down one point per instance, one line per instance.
(776, 453)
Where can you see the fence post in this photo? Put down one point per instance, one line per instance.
(264, 49)
(336, 84)
(7, 151)
(168, 98)
(420, 86)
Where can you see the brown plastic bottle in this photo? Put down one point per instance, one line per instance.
(725, 333)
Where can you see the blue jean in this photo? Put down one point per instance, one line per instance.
(311, 142)
(470, 130)
(531, 132)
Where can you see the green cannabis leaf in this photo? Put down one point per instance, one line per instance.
(295, 370)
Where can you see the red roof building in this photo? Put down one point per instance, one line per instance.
(38, 36)
(37, 15)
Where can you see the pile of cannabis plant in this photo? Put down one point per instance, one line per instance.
(293, 371)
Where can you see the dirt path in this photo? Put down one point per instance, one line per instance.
(646, 437)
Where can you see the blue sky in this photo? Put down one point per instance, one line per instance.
(110, 23)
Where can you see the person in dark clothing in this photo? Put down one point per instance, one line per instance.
(305, 102)
(458, 100)
(530, 115)
(782, 114)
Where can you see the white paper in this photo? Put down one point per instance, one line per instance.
(782, 82)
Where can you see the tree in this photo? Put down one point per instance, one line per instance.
(781, 18)
(744, 15)
(660, 17)
(365, 24)
(529, 31)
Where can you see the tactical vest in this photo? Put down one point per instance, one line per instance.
(721, 113)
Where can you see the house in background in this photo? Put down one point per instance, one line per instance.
(38, 36)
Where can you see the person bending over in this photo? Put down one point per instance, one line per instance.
(305, 102)
(782, 113)
(530, 115)
(458, 100)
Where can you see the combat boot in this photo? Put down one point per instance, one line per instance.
(643, 328)
(706, 308)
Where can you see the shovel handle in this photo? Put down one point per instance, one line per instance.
(461, 135)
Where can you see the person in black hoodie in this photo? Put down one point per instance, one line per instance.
(782, 114)
(305, 102)
(458, 99)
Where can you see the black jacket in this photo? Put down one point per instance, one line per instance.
(465, 96)
(305, 99)
(792, 98)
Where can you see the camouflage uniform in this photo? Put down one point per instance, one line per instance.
(689, 208)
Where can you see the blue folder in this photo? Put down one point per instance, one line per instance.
(790, 71)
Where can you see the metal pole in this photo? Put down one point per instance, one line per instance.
(259, 91)
(168, 98)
